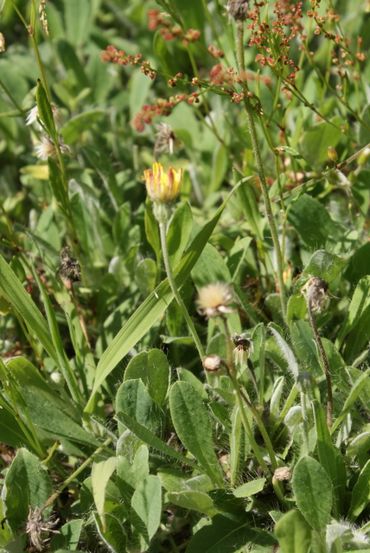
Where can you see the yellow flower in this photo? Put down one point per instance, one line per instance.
(163, 186)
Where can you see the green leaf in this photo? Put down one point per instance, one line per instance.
(194, 501)
(68, 535)
(224, 535)
(44, 110)
(74, 127)
(147, 503)
(139, 87)
(210, 267)
(193, 426)
(27, 485)
(293, 533)
(356, 389)
(48, 411)
(14, 293)
(313, 492)
(330, 458)
(153, 369)
(287, 353)
(78, 20)
(146, 276)
(152, 308)
(133, 399)
(316, 141)
(179, 232)
(192, 12)
(325, 265)
(151, 439)
(357, 327)
(219, 167)
(250, 488)
(358, 264)
(360, 493)
(312, 222)
(100, 476)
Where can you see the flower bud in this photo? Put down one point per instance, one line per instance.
(332, 154)
(212, 363)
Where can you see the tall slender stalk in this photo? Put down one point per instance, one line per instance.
(324, 362)
(175, 291)
(261, 173)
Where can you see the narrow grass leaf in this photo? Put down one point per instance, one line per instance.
(13, 291)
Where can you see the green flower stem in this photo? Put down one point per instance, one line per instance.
(242, 399)
(175, 291)
(75, 474)
(260, 170)
(324, 363)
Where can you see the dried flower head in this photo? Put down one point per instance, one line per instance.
(43, 17)
(69, 268)
(2, 43)
(164, 140)
(215, 299)
(163, 186)
(38, 529)
(315, 291)
(282, 473)
(212, 363)
(243, 347)
(46, 148)
(238, 9)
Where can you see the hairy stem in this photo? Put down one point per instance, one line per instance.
(324, 363)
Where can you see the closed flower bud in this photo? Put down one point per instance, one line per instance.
(332, 154)
(212, 363)
(163, 186)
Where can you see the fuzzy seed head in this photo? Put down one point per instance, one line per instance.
(163, 186)
(215, 299)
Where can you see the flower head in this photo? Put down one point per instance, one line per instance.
(315, 291)
(2, 43)
(215, 299)
(46, 148)
(163, 186)
(33, 116)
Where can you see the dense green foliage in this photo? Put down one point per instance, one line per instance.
(140, 409)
